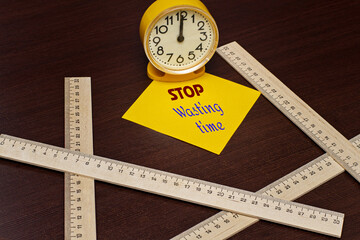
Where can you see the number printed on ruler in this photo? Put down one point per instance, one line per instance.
(293, 107)
(80, 220)
(290, 187)
(172, 185)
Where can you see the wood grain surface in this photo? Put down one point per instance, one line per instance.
(312, 46)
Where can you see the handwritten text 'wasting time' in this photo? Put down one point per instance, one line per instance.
(196, 109)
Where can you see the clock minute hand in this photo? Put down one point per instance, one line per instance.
(181, 34)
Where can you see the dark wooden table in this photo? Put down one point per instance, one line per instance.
(312, 46)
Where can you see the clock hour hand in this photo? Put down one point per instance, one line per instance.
(181, 34)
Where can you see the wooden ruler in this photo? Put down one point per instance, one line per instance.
(172, 185)
(290, 187)
(311, 123)
(80, 220)
(225, 224)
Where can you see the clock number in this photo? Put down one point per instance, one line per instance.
(183, 13)
(169, 20)
(191, 55)
(193, 18)
(156, 40)
(199, 48)
(160, 51)
(171, 55)
(201, 25)
(180, 59)
(162, 29)
(203, 38)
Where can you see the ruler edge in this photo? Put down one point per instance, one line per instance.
(67, 140)
(67, 176)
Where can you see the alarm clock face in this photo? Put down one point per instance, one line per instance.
(181, 40)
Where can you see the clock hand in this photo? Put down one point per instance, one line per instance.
(181, 35)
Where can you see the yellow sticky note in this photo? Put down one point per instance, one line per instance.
(204, 112)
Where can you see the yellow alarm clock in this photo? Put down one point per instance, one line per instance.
(179, 38)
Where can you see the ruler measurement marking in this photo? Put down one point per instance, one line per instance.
(79, 190)
(204, 197)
